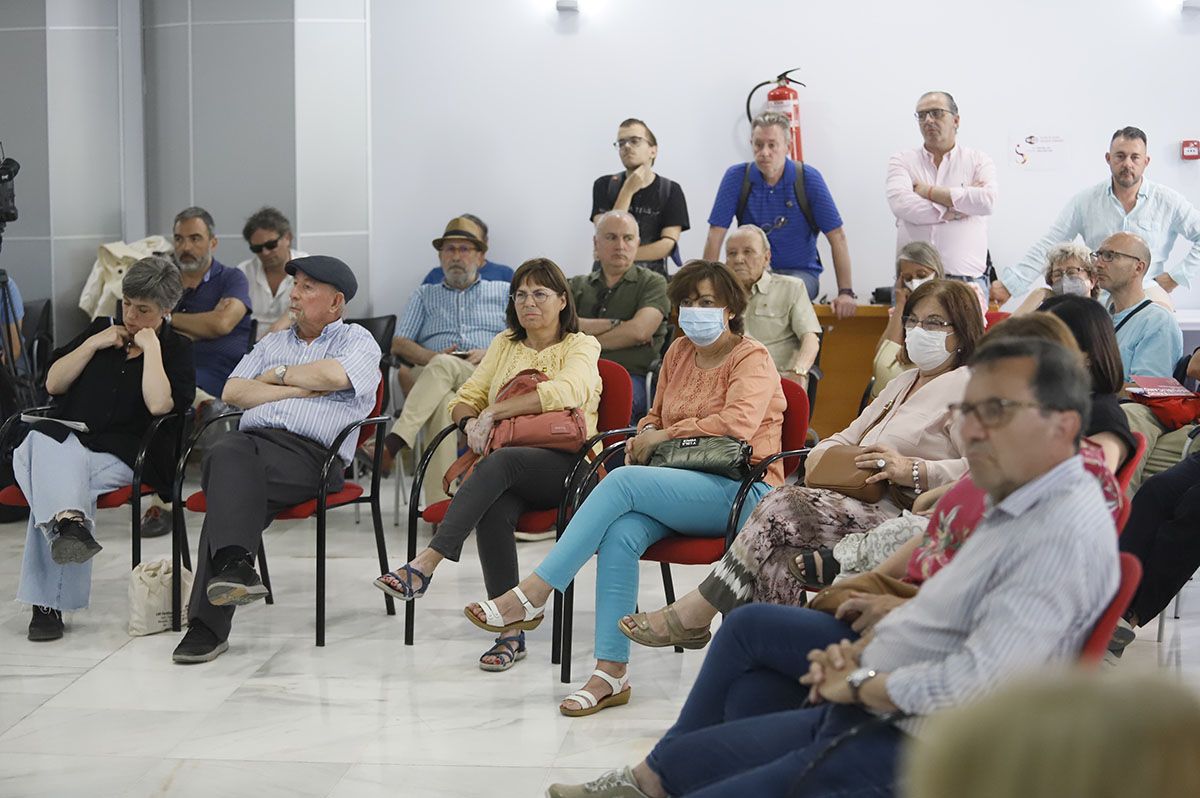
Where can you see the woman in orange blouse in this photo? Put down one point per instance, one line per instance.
(715, 381)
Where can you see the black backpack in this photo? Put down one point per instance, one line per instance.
(664, 191)
(798, 187)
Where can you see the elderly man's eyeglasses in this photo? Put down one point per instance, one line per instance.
(540, 296)
(934, 113)
(990, 413)
(1109, 255)
(267, 245)
(931, 324)
(632, 141)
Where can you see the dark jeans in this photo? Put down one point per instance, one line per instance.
(1163, 532)
(503, 485)
(742, 731)
(249, 477)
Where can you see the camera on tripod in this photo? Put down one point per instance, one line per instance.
(8, 199)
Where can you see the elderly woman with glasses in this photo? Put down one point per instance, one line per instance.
(908, 441)
(1070, 271)
(543, 334)
(114, 378)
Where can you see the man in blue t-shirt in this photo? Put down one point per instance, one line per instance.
(12, 324)
(489, 270)
(772, 205)
(1147, 333)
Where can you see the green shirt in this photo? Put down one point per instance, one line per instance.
(638, 288)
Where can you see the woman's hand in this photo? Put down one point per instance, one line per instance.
(478, 430)
(114, 337)
(640, 447)
(887, 463)
(146, 340)
(900, 293)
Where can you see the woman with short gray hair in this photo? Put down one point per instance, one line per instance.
(1069, 270)
(114, 378)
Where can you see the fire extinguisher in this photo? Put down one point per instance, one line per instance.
(783, 99)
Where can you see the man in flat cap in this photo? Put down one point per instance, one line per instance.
(299, 388)
(444, 332)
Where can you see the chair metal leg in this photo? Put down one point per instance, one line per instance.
(321, 576)
(1178, 598)
(381, 546)
(556, 630)
(669, 590)
(178, 535)
(136, 530)
(567, 623)
(266, 575)
(1162, 622)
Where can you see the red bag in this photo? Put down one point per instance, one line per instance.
(561, 430)
(1171, 403)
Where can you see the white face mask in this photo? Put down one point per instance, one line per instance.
(927, 350)
(916, 282)
(1074, 286)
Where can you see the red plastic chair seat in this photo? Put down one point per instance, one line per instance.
(681, 550)
(1097, 642)
(532, 521)
(12, 496)
(198, 502)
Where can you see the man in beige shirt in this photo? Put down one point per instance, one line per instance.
(780, 314)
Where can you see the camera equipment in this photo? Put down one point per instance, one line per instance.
(8, 200)
(11, 378)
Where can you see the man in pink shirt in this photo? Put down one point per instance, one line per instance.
(942, 192)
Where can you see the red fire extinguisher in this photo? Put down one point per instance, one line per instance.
(783, 99)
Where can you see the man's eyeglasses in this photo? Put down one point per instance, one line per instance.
(931, 324)
(935, 113)
(990, 413)
(632, 141)
(1109, 255)
(540, 296)
(267, 245)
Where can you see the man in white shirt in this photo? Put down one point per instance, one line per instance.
(269, 234)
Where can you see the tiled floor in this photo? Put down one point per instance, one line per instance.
(104, 714)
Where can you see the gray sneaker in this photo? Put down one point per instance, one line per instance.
(156, 522)
(613, 784)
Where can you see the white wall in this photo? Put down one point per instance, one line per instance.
(507, 109)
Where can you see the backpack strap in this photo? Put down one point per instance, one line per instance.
(614, 188)
(744, 196)
(802, 199)
(1145, 304)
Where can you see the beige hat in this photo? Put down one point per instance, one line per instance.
(464, 228)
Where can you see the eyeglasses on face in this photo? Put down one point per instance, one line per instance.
(267, 245)
(934, 113)
(1110, 255)
(541, 296)
(631, 141)
(990, 413)
(931, 324)
(1073, 271)
(458, 249)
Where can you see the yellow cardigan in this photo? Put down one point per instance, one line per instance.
(570, 364)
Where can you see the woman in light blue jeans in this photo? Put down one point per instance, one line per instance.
(714, 382)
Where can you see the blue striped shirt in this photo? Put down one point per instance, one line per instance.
(1024, 590)
(320, 418)
(439, 316)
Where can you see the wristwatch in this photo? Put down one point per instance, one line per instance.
(847, 292)
(281, 374)
(857, 679)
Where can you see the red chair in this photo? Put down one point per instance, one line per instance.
(351, 494)
(11, 496)
(1097, 642)
(994, 317)
(686, 550)
(616, 403)
(1124, 476)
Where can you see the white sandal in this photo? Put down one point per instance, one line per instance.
(589, 705)
(495, 621)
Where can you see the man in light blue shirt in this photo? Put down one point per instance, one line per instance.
(1147, 333)
(1127, 202)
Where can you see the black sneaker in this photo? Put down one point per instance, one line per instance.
(235, 584)
(74, 543)
(200, 644)
(47, 624)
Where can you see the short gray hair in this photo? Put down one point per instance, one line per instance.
(615, 214)
(195, 212)
(153, 279)
(949, 99)
(752, 228)
(1061, 253)
(769, 119)
(922, 253)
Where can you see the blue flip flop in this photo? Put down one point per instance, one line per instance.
(508, 649)
(403, 589)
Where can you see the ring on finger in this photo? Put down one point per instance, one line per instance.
(881, 463)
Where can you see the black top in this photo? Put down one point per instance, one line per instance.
(1107, 416)
(107, 396)
(658, 205)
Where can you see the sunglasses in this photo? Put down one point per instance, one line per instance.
(267, 245)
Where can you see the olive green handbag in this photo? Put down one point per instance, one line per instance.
(721, 455)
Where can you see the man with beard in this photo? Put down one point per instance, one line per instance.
(1125, 203)
(444, 332)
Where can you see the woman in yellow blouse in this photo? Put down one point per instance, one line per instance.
(543, 334)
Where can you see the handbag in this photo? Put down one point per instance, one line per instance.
(722, 455)
(835, 469)
(872, 582)
(150, 596)
(561, 430)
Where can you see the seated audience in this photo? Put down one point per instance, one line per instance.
(1066, 734)
(780, 314)
(623, 304)
(115, 378)
(715, 381)
(268, 233)
(299, 387)
(983, 620)
(444, 332)
(1069, 271)
(1147, 333)
(908, 440)
(655, 202)
(543, 334)
(488, 271)
(916, 264)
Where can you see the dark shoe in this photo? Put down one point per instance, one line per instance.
(74, 543)
(235, 584)
(156, 522)
(1122, 636)
(47, 624)
(200, 644)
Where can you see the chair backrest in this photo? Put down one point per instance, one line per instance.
(1125, 472)
(253, 339)
(1097, 642)
(382, 329)
(616, 397)
(37, 335)
(795, 422)
(994, 317)
(365, 433)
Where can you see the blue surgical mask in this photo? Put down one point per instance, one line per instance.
(702, 326)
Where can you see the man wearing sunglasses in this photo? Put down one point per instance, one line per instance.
(1126, 202)
(269, 235)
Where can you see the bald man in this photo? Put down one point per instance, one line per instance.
(1147, 333)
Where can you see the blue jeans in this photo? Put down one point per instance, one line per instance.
(812, 279)
(742, 730)
(631, 508)
(982, 281)
(639, 397)
(55, 477)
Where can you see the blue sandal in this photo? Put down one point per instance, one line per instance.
(508, 649)
(392, 584)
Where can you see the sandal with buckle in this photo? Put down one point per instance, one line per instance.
(393, 585)
(590, 705)
(677, 634)
(830, 567)
(495, 621)
(509, 649)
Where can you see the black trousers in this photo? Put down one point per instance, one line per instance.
(503, 485)
(1163, 532)
(249, 477)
